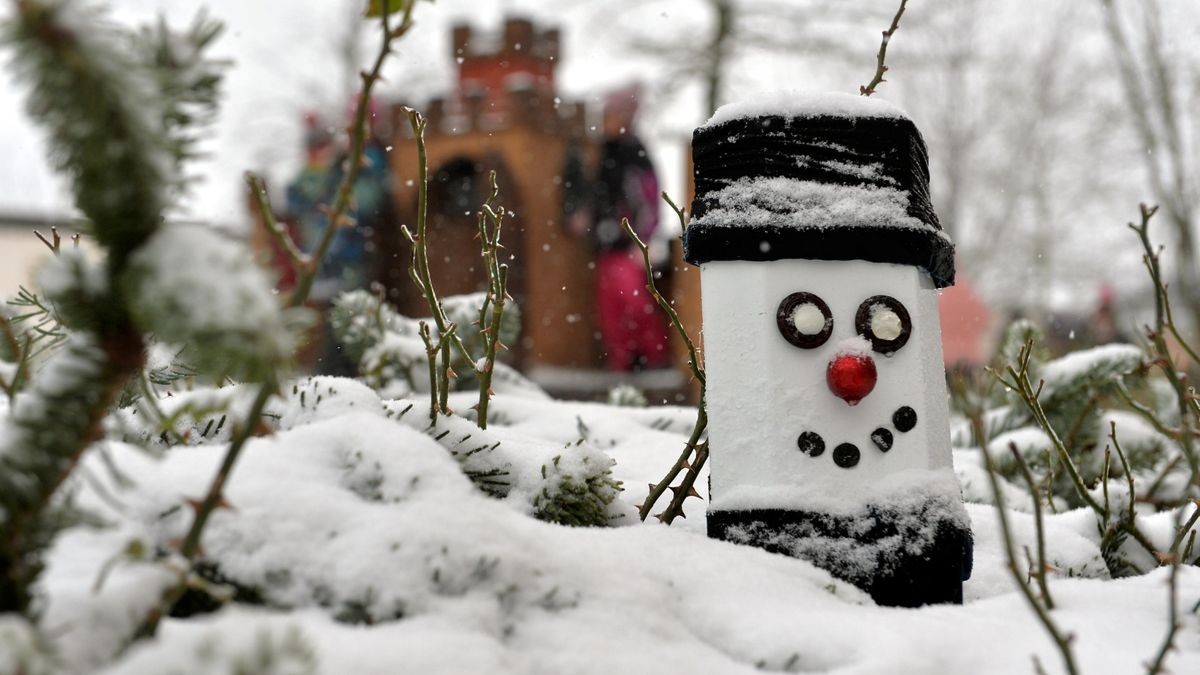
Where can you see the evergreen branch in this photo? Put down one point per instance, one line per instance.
(686, 487)
(1020, 383)
(188, 83)
(880, 68)
(92, 99)
(89, 97)
(61, 416)
(306, 275)
(358, 144)
(296, 258)
(10, 337)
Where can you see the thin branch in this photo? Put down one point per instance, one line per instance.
(1159, 664)
(1128, 471)
(419, 270)
(1063, 642)
(1144, 411)
(497, 295)
(55, 246)
(693, 355)
(431, 352)
(1039, 571)
(190, 548)
(1165, 360)
(296, 257)
(686, 488)
(358, 143)
(880, 67)
(1185, 529)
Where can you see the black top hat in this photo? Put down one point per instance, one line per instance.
(842, 182)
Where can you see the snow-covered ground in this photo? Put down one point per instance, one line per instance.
(369, 551)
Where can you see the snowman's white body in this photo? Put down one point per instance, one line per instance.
(763, 391)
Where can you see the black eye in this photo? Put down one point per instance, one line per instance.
(804, 320)
(884, 321)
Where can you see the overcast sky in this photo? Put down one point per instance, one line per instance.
(285, 61)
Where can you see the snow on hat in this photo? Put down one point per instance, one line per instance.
(822, 177)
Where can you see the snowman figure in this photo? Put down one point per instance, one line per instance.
(820, 256)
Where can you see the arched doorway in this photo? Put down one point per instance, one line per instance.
(457, 189)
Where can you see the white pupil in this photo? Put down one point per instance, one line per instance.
(808, 319)
(885, 323)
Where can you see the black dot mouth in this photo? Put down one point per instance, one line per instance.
(904, 419)
(847, 455)
(882, 438)
(811, 443)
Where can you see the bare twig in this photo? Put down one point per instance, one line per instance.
(295, 256)
(190, 548)
(419, 272)
(1184, 530)
(358, 143)
(1061, 640)
(431, 354)
(431, 351)
(880, 67)
(54, 244)
(497, 296)
(1041, 567)
(1164, 322)
(1159, 664)
(693, 355)
(687, 487)
(1145, 412)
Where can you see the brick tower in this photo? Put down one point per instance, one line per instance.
(504, 116)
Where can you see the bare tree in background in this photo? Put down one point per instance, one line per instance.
(1154, 83)
(736, 28)
(1018, 134)
(941, 69)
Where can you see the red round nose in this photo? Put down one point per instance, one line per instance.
(851, 377)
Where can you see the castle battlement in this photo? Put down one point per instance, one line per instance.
(505, 80)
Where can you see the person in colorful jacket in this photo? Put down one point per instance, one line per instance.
(622, 186)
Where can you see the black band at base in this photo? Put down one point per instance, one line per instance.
(901, 557)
